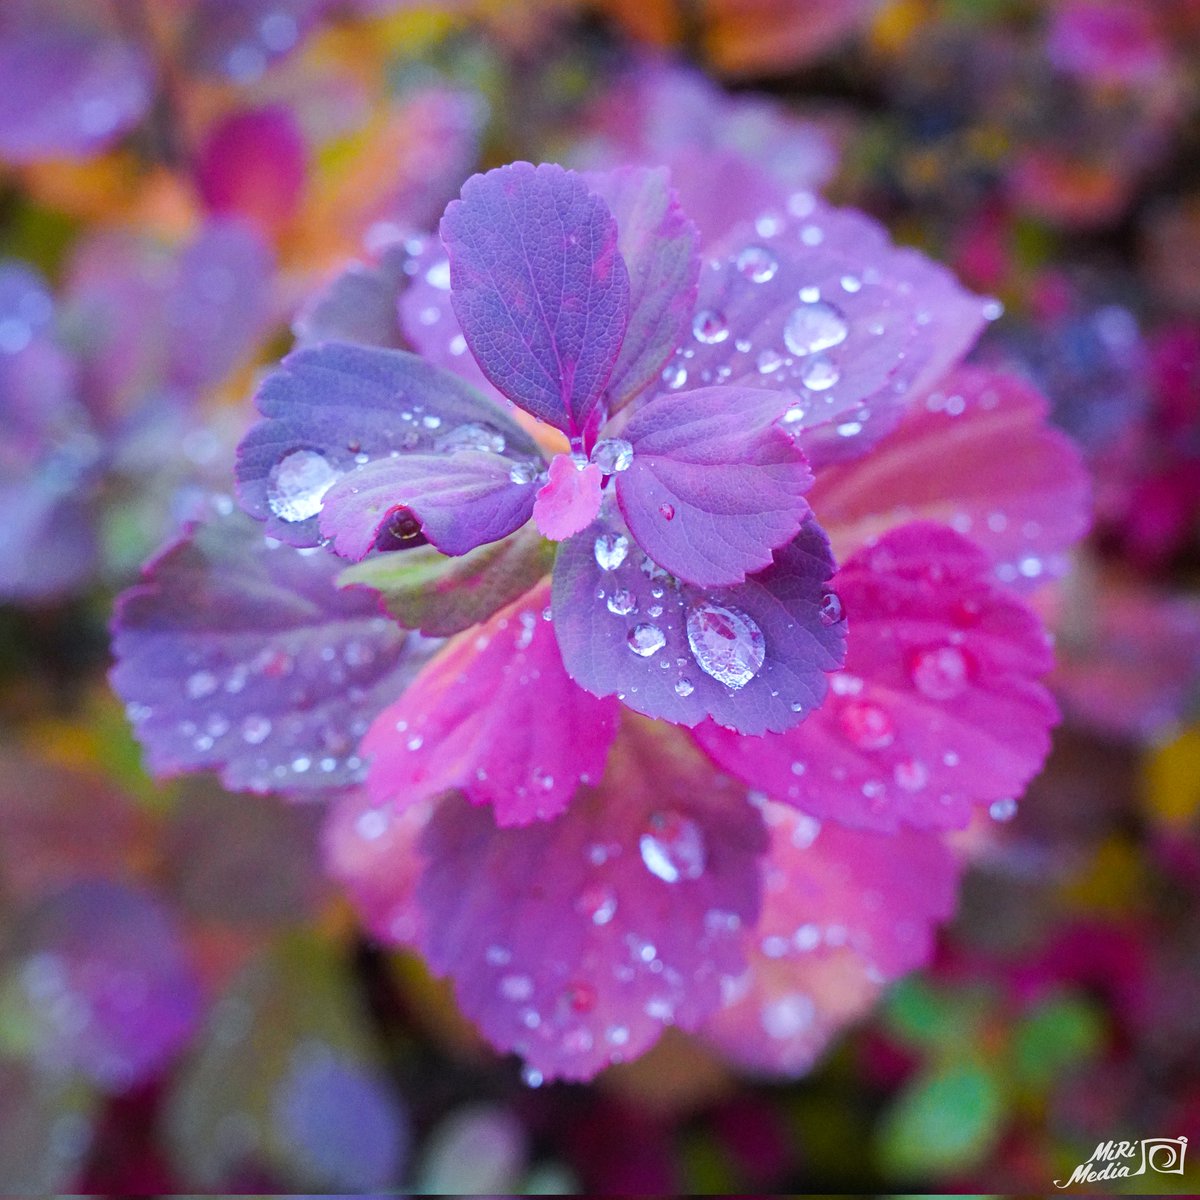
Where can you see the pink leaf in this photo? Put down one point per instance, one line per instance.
(495, 716)
(844, 913)
(938, 708)
(570, 501)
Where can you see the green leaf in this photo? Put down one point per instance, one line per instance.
(946, 1120)
(1061, 1033)
(937, 1019)
(438, 595)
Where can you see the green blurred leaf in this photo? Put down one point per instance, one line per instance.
(931, 1018)
(439, 595)
(1060, 1034)
(945, 1120)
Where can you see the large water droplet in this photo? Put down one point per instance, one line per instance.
(757, 264)
(866, 725)
(726, 643)
(710, 327)
(523, 472)
(815, 327)
(472, 436)
(613, 455)
(646, 640)
(940, 673)
(684, 688)
(622, 602)
(673, 847)
(297, 485)
(610, 550)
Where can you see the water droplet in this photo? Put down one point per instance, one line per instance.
(598, 904)
(523, 472)
(667, 512)
(851, 284)
(726, 643)
(532, 1077)
(819, 374)
(472, 436)
(769, 361)
(516, 988)
(911, 775)
(815, 327)
(757, 264)
(646, 640)
(201, 684)
(788, 1015)
(622, 602)
(684, 688)
(610, 550)
(709, 327)
(256, 730)
(297, 485)
(830, 609)
(613, 455)
(673, 847)
(866, 725)
(941, 673)
(675, 376)
(1003, 810)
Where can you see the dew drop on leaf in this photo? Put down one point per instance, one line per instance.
(941, 673)
(613, 455)
(610, 550)
(726, 643)
(672, 847)
(710, 327)
(646, 640)
(814, 327)
(757, 264)
(298, 483)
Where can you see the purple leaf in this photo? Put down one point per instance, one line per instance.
(332, 410)
(659, 246)
(359, 305)
(752, 657)
(817, 302)
(428, 320)
(71, 85)
(454, 501)
(539, 287)
(440, 596)
(714, 484)
(575, 942)
(475, 720)
(939, 707)
(239, 655)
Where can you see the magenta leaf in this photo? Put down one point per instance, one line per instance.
(455, 501)
(575, 942)
(714, 484)
(439, 595)
(475, 720)
(359, 305)
(845, 912)
(240, 655)
(659, 245)
(1005, 477)
(72, 84)
(539, 287)
(752, 656)
(819, 303)
(938, 708)
(334, 411)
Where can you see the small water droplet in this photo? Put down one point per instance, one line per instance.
(673, 847)
(1003, 810)
(830, 609)
(610, 550)
(788, 1015)
(911, 775)
(201, 684)
(297, 485)
(815, 327)
(256, 730)
(941, 673)
(516, 988)
(769, 361)
(646, 640)
(757, 264)
(709, 327)
(622, 602)
(613, 455)
(598, 904)
(675, 376)
(472, 436)
(523, 472)
(667, 512)
(866, 725)
(726, 643)
(819, 373)
(684, 688)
